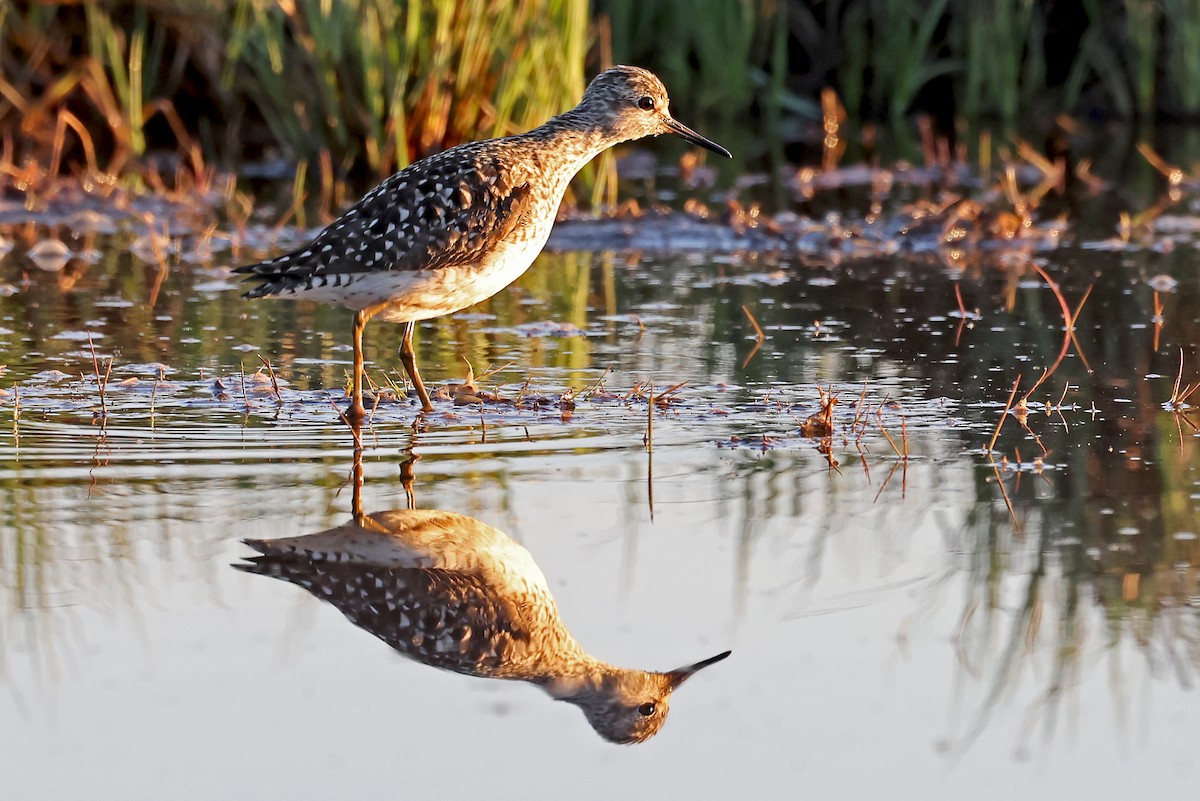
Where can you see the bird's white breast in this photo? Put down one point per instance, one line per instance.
(413, 295)
(432, 293)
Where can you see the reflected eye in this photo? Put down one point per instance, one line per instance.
(646, 103)
(646, 709)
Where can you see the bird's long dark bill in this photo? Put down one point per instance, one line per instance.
(680, 676)
(681, 130)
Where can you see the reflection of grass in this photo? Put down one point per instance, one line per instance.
(1033, 594)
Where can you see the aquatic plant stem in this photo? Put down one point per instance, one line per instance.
(1007, 407)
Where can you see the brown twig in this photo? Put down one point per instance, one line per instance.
(154, 395)
(863, 458)
(883, 486)
(355, 428)
(594, 388)
(1004, 492)
(1074, 318)
(101, 381)
(1157, 319)
(1066, 313)
(891, 441)
(648, 440)
(664, 396)
(245, 397)
(650, 451)
(861, 412)
(1179, 398)
(1004, 416)
(274, 381)
(759, 336)
(1173, 174)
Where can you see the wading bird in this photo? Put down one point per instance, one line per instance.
(454, 229)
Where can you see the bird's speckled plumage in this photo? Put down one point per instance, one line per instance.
(454, 229)
(448, 591)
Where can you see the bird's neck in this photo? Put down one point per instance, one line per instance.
(581, 681)
(573, 137)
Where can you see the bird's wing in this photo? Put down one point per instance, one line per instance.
(441, 618)
(446, 211)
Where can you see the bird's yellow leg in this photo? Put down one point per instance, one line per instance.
(356, 412)
(408, 358)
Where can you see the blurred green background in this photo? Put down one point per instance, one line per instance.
(370, 85)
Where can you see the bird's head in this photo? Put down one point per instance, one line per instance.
(630, 706)
(632, 103)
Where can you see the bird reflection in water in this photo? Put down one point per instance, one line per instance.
(449, 591)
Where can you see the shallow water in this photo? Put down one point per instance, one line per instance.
(914, 615)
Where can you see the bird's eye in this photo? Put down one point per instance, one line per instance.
(646, 709)
(646, 103)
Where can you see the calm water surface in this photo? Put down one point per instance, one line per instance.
(897, 629)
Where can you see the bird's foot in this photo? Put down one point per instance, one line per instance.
(355, 413)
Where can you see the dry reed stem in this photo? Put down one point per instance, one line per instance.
(664, 397)
(154, 395)
(883, 486)
(759, 336)
(833, 114)
(160, 259)
(891, 441)
(1004, 493)
(648, 440)
(1057, 408)
(355, 428)
(1177, 415)
(245, 396)
(1004, 416)
(1063, 396)
(1179, 399)
(863, 458)
(1157, 319)
(1174, 175)
(65, 119)
(1074, 319)
(101, 382)
(274, 381)
(860, 412)
(649, 443)
(1066, 313)
(596, 386)
(378, 396)
(1017, 470)
(494, 370)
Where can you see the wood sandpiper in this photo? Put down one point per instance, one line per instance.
(451, 592)
(454, 229)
